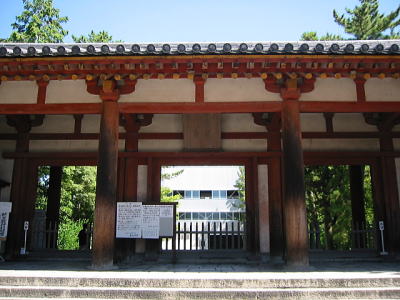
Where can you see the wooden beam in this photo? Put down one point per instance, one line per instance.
(206, 107)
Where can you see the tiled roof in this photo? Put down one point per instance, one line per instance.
(109, 49)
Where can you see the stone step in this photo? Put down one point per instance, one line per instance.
(171, 280)
(198, 293)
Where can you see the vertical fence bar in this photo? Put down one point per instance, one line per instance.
(220, 235)
(197, 235)
(190, 237)
(226, 235)
(203, 236)
(184, 236)
(215, 235)
(179, 236)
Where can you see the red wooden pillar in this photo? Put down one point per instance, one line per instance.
(294, 210)
(22, 181)
(106, 182)
(390, 196)
(277, 246)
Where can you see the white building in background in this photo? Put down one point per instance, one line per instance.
(208, 192)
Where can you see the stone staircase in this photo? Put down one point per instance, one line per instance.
(181, 285)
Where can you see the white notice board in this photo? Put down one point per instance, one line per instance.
(136, 221)
(5, 209)
(129, 220)
(151, 222)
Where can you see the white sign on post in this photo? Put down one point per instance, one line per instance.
(129, 220)
(151, 222)
(5, 209)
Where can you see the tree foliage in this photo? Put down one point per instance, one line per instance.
(364, 22)
(78, 193)
(312, 36)
(240, 184)
(93, 37)
(166, 193)
(328, 203)
(40, 22)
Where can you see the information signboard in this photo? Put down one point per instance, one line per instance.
(5, 209)
(136, 221)
(129, 220)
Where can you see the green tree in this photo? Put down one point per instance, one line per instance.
(78, 193)
(312, 36)
(40, 22)
(166, 193)
(93, 37)
(364, 22)
(240, 184)
(328, 204)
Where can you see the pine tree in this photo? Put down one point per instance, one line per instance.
(366, 23)
(312, 36)
(40, 22)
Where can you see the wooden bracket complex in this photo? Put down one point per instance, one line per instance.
(110, 90)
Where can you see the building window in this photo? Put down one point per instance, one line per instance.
(215, 194)
(188, 194)
(196, 194)
(233, 194)
(205, 194)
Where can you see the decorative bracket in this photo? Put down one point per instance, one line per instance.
(110, 90)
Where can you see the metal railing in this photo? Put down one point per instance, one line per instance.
(206, 235)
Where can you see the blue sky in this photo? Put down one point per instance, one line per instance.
(201, 21)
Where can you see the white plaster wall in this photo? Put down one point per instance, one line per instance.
(69, 91)
(160, 145)
(56, 124)
(167, 90)
(340, 144)
(263, 208)
(22, 92)
(165, 123)
(332, 89)
(240, 123)
(312, 122)
(351, 122)
(6, 167)
(236, 90)
(387, 89)
(91, 123)
(244, 145)
(67, 145)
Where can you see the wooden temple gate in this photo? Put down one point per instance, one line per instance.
(285, 83)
